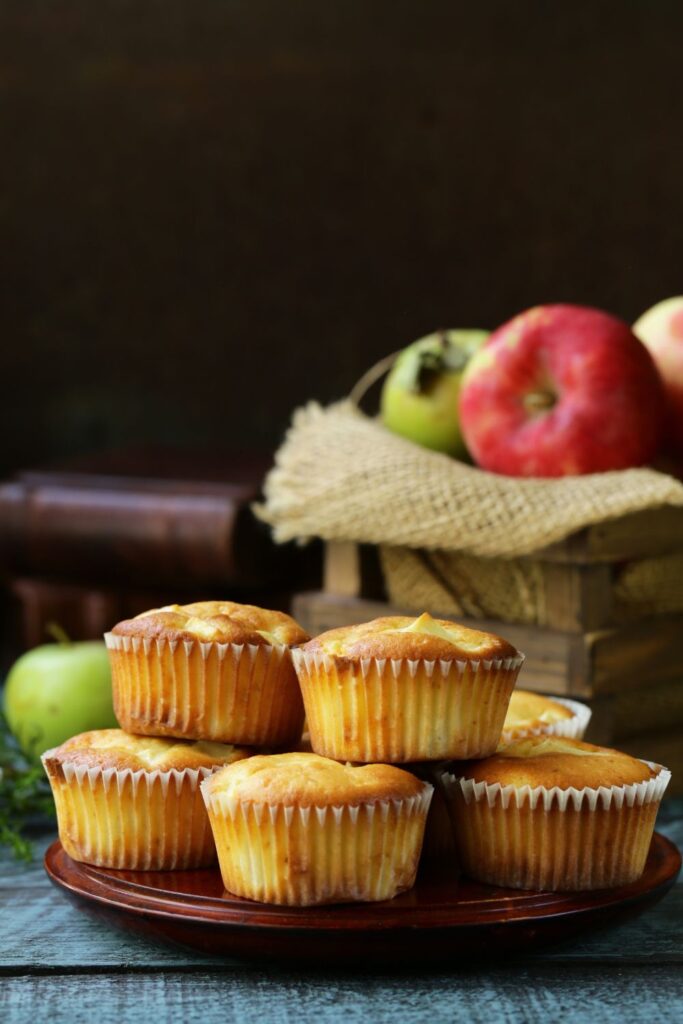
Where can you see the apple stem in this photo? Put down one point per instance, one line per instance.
(57, 633)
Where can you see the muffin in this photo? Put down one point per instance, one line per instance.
(399, 689)
(299, 829)
(556, 814)
(134, 802)
(214, 670)
(532, 714)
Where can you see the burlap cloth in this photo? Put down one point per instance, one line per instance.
(451, 535)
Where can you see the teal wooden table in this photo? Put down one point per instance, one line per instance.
(59, 965)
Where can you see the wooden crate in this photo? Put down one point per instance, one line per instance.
(581, 578)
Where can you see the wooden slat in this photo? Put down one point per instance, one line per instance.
(641, 653)
(459, 993)
(639, 535)
(577, 598)
(341, 569)
(654, 707)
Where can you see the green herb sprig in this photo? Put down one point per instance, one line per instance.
(25, 794)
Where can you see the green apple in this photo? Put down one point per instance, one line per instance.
(56, 691)
(420, 394)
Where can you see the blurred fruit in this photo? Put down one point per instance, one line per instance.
(661, 329)
(420, 394)
(561, 390)
(56, 691)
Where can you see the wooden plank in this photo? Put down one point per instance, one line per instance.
(555, 661)
(462, 993)
(651, 708)
(641, 653)
(341, 569)
(639, 535)
(577, 598)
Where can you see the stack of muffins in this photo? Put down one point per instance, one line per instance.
(210, 761)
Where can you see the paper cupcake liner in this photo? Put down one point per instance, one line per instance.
(230, 693)
(552, 838)
(399, 710)
(299, 856)
(135, 820)
(573, 728)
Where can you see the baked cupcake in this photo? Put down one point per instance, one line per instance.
(556, 814)
(399, 689)
(214, 670)
(134, 802)
(532, 714)
(299, 829)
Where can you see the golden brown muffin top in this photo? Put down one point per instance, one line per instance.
(309, 780)
(532, 710)
(399, 636)
(223, 622)
(114, 748)
(554, 761)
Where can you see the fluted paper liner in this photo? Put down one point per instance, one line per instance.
(395, 710)
(136, 820)
(299, 856)
(573, 728)
(228, 693)
(552, 838)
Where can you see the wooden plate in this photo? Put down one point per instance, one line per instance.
(440, 918)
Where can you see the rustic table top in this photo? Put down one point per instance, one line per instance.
(58, 964)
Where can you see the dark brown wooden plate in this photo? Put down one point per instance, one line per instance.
(440, 918)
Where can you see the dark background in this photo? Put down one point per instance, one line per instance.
(211, 211)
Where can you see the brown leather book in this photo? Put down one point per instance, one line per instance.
(100, 539)
(143, 517)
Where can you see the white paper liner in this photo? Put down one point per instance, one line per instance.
(299, 856)
(552, 838)
(573, 728)
(135, 820)
(398, 665)
(398, 710)
(230, 693)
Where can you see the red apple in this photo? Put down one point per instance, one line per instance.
(661, 329)
(561, 390)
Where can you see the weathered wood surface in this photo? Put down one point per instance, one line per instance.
(59, 964)
(509, 995)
